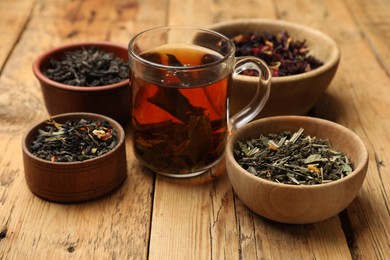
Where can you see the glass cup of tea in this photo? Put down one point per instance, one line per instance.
(180, 80)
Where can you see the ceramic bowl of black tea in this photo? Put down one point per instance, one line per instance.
(296, 169)
(85, 77)
(303, 62)
(74, 157)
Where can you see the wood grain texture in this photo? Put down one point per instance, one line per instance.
(249, 248)
(201, 210)
(153, 217)
(116, 226)
(14, 16)
(358, 99)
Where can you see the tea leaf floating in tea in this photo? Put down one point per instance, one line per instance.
(199, 126)
(173, 102)
(87, 67)
(74, 140)
(171, 99)
(292, 159)
(173, 61)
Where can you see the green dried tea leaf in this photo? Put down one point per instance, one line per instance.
(315, 158)
(347, 169)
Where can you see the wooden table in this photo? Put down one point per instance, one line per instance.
(154, 217)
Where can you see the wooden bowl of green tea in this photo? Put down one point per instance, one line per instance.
(74, 157)
(296, 86)
(296, 169)
(85, 77)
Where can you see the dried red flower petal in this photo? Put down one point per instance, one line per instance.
(283, 54)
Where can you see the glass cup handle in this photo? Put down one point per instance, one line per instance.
(258, 101)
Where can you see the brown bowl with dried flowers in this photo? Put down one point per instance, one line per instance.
(74, 157)
(303, 62)
(296, 169)
(85, 77)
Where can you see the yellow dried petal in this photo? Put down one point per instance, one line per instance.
(273, 147)
(101, 134)
(312, 167)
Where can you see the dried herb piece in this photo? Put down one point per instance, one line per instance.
(292, 159)
(87, 67)
(283, 54)
(74, 140)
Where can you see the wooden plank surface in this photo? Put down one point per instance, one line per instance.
(155, 217)
(253, 233)
(34, 228)
(14, 16)
(371, 85)
(364, 84)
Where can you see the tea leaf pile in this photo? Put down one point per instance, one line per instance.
(87, 67)
(74, 140)
(292, 159)
(283, 54)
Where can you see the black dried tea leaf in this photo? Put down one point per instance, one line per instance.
(292, 159)
(88, 67)
(74, 140)
(283, 54)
